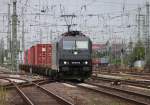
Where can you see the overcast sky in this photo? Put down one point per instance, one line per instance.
(101, 20)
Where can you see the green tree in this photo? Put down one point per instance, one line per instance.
(138, 52)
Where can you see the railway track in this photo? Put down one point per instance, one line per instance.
(33, 94)
(139, 99)
(143, 84)
(37, 95)
(134, 75)
(24, 83)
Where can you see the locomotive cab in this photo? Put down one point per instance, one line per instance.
(74, 56)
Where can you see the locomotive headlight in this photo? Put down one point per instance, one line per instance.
(75, 52)
(86, 62)
(65, 62)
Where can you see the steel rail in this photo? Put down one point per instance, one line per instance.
(142, 84)
(58, 98)
(14, 78)
(24, 97)
(114, 92)
(20, 92)
(119, 89)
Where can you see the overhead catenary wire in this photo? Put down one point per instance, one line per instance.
(33, 10)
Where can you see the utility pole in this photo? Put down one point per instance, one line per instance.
(139, 21)
(23, 33)
(14, 38)
(121, 56)
(9, 35)
(51, 36)
(2, 51)
(147, 24)
(41, 36)
(147, 36)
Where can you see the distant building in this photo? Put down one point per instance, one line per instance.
(99, 47)
(115, 49)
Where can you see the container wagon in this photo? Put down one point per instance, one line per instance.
(38, 58)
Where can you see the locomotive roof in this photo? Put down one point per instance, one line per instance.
(73, 33)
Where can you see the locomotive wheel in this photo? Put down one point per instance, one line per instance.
(81, 80)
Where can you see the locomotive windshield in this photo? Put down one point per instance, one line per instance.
(82, 44)
(68, 45)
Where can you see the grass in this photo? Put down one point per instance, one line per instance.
(2, 95)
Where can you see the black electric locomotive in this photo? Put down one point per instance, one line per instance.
(74, 60)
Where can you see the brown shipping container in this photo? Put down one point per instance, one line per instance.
(43, 54)
(33, 55)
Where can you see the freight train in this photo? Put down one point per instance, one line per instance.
(69, 58)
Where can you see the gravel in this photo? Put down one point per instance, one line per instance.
(84, 97)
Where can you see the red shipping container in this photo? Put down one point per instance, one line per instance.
(29, 56)
(95, 61)
(49, 54)
(43, 54)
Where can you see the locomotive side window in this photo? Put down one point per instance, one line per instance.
(68, 45)
(82, 44)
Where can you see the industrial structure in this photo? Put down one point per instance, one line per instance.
(75, 52)
(134, 24)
